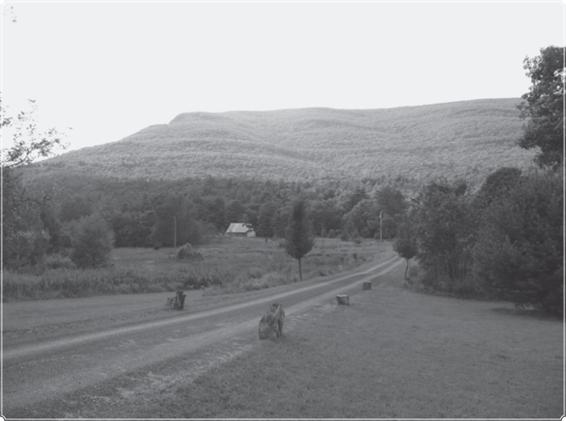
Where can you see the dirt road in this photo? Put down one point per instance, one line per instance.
(53, 376)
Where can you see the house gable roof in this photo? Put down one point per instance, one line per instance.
(239, 228)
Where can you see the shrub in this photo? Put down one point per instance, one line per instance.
(92, 242)
(57, 261)
(25, 248)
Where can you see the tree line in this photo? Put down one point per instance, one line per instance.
(505, 240)
(48, 218)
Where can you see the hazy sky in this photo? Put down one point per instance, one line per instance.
(110, 69)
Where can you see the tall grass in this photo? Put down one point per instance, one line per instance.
(63, 283)
(231, 265)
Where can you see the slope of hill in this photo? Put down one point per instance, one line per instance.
(463, 139)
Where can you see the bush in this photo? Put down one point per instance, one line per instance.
(57, 261)
(92, 242)
(25, 248)
(25, 241)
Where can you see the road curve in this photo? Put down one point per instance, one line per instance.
(45, 371)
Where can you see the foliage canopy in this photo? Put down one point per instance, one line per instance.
(543, 106)
(299, 236)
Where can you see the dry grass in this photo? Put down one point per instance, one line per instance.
(392, 353)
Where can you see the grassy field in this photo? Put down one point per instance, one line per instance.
(392, 353)
(229, 265)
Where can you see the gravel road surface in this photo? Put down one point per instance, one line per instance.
(49, 376)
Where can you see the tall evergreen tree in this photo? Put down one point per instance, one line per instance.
(300, 240)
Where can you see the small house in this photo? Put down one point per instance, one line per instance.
(240, 229)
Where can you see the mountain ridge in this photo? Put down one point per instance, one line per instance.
(465, 139)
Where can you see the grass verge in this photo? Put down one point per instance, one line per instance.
(392, 353)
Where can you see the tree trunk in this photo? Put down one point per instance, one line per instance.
(300, 270)
(406, 269)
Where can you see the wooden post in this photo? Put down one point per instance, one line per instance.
(366, 285)
(343, 299)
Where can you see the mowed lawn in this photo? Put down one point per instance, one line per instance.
(391, 353)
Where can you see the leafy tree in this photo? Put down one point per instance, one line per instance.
(443, 230)
(24, 238)
(519, 250)
(352, 199)
(543, 106)
(326, 216)
(392, 206)
(281, 221)
(265, 220)
(299, 237)
(405, 244)
(391, 201)
(28, 143)
(363, 219)
(174, 222)
(250, 216)
(215, 212)
(92, 241)
(389, 227)
(132, 229)
(235, 211)
(497, 184)
(74, 208)
(51, 224)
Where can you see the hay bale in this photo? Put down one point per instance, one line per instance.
(343, 299)
(187, 252)
(366, 285)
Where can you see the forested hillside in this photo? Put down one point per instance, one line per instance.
(466, 139)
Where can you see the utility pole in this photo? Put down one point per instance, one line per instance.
(380, 225)
(175, 232)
